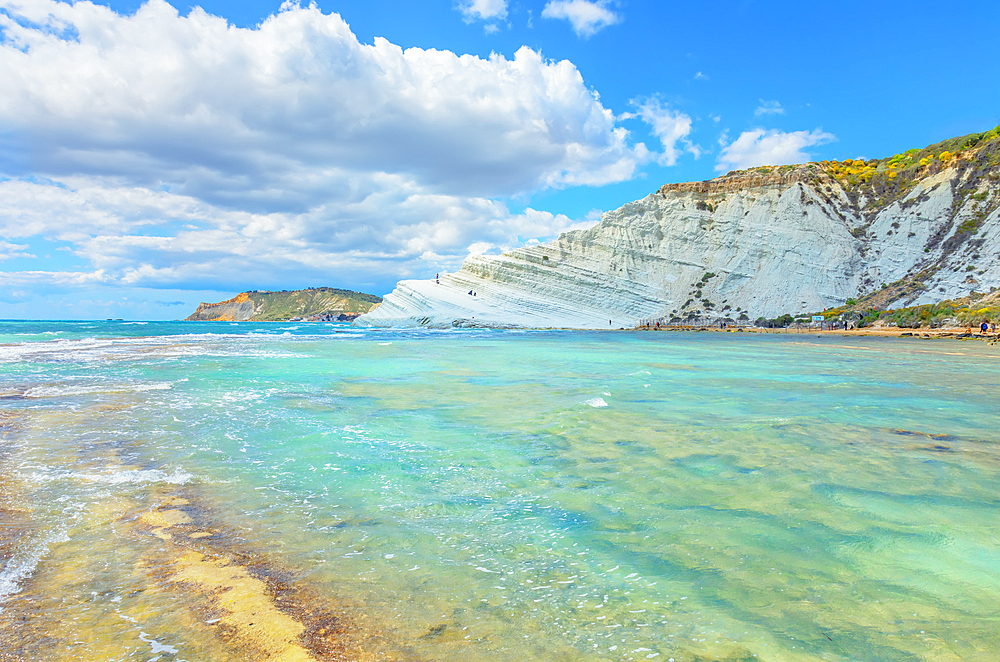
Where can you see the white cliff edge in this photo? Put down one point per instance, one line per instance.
(745, 245)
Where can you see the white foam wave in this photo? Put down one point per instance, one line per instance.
(597, 402)
(177, 477)
(157, 646)
(190, 344)
(22, 351)
(23, 562)
(61, 391)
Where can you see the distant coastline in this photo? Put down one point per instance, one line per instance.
(953, 333)
(315, 304)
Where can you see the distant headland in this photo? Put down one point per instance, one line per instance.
(315, 304)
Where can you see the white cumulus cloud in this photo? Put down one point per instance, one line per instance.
(483, 10)
(9, 250)
(671, 127)
(586, 16)
(768, 108)
(768, 147)
(171, 150)
(287, 109)
(136, 236)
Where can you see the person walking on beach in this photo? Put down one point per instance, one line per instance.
(984, 327)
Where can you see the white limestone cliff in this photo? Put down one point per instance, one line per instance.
(758, 243)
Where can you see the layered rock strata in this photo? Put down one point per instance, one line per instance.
(755, 243)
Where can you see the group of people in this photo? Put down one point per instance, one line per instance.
(437, 281)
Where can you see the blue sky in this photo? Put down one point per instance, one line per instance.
(153, 156)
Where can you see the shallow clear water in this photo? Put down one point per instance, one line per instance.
(471, 495)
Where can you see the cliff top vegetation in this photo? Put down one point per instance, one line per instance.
(909, 165)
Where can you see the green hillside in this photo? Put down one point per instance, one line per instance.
(283, 305)
(318, 303)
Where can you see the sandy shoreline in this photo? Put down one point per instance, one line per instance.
(881, 332)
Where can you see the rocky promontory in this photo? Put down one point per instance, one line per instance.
(313, 304)
(924, 225)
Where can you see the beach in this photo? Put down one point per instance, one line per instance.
(957, 333)
(241, 491)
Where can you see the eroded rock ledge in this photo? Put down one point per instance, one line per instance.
(756, 243)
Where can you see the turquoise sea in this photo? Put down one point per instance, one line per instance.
(240, 491)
